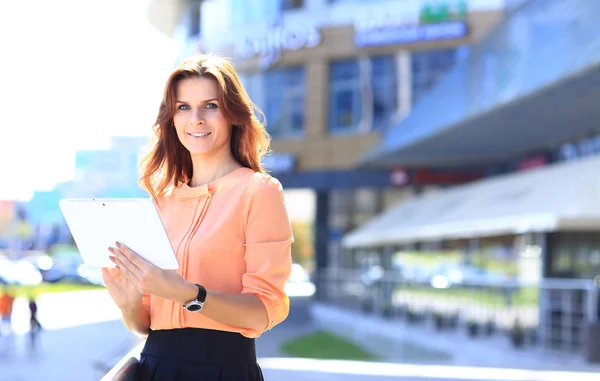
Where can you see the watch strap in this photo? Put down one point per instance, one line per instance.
(201, 297)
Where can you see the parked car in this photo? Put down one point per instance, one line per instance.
(19, 272)
(65, 268)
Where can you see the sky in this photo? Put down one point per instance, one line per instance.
(73, 73)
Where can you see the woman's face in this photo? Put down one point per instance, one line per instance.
(200, 124)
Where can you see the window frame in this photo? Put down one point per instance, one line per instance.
(262, 95)
(423, 74)
(363, 86)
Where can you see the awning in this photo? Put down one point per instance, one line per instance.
(560, 197)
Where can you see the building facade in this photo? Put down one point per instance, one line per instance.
(499, 113)
(112, 173)
(331, 77)
(528, 123)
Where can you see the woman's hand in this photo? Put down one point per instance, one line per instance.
(123, 291)
(149, 279)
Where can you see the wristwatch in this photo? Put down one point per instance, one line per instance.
(197, 304)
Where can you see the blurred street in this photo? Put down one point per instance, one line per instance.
(66, 310)
(67, 354)
(98, 344)
(438, 162)
(80, 332)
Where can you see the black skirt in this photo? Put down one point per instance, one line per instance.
(200, 355)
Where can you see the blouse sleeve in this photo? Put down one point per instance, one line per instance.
(268, 249)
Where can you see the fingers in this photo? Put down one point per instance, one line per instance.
(128, 268)
(110, 273)
(133, 257)
(144, 274)
(114, 271)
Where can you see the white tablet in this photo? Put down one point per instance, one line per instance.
(96, 224)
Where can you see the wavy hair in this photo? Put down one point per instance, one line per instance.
(168, 162)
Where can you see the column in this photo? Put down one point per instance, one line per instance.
(388, 287)
(321, 243)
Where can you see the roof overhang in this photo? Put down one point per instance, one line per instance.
(564, 111)
(561, 197)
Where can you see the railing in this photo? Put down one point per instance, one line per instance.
(554, 314)
(126, 368)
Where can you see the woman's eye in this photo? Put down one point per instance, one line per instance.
(183, 107)
(211, 105)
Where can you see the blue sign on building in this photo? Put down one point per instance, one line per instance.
(407, 34)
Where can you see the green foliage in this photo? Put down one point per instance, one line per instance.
(35, 291)
(324, 345)
(303, 246)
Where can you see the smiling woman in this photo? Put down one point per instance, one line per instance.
(200, 124)
(204, 95)
(226, 220)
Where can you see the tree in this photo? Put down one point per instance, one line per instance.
(303, 246)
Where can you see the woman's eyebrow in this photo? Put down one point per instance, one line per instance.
(209, 100)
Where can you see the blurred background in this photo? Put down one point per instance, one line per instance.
(440, 160)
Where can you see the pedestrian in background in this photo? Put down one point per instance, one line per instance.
(34, 324)
(6, 306)
(228, 223)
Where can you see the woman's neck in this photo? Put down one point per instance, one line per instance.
(208, 169)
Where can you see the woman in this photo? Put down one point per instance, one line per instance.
(228, 224)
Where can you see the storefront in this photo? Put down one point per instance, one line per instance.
(534, 230)
(556, 203)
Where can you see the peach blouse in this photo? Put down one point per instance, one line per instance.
(232, 235)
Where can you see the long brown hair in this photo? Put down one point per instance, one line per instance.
(169, 162)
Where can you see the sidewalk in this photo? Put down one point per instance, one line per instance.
(390, 338)
(69, 354)
(86, 352)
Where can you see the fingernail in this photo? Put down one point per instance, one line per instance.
(112, 258)
(118, 244)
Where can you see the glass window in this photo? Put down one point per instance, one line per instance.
(193, 18)
(280, 93)
(349, 1)
(385, 90)
(344, 99)
(358, 86)
(345, 70)
(296, 114)
(574, 255)
(427, 68)
(346, 108)
(287, 5)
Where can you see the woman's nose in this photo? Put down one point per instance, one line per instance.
(197, 117)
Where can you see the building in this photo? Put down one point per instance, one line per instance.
(526, 120)
(111, 172)
(332, 77)
(498, 113)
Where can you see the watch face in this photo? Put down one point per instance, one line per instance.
(194, 306)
